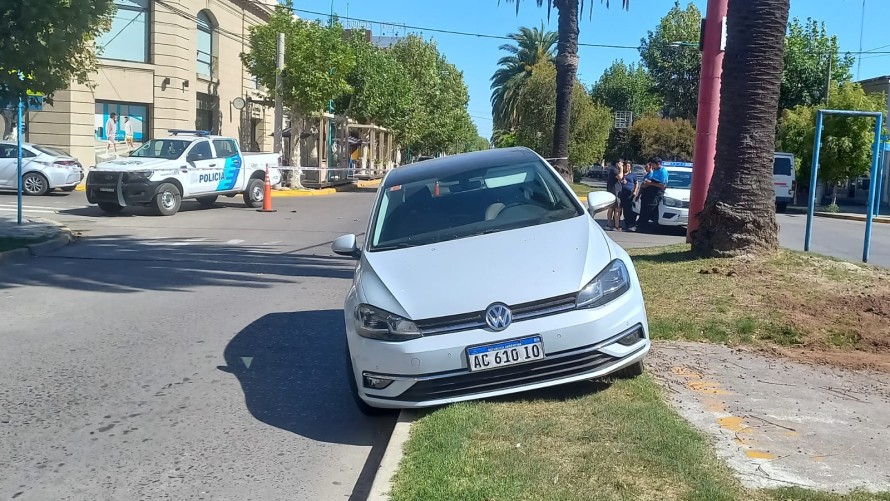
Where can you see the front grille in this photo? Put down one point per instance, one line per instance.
(476, 320)
(555, 366)
(104, 177)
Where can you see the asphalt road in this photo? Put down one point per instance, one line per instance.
(198, 356)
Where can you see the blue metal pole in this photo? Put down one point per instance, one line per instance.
(881, 162)
(873, 181)
(18, 126)
(814, 172)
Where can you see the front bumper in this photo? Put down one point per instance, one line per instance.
(433, 370)
(672, 216)
(115, 187)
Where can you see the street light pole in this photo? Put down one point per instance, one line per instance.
(708, 110)
(279, 106)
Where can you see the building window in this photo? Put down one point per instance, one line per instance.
(127, 40)
(129, 117)
(206, 111)
(206, 47)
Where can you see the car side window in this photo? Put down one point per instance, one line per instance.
(225, 148)
(7, 151)
(201, 149)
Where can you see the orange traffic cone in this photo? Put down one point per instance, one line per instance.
(267, 194)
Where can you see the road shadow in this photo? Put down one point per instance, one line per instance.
(142, 211)
(292, 371)
(120, 264)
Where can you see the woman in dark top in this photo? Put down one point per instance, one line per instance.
(628, 193)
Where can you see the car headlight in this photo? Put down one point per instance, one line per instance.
(139, 175)
(375, 323)
(612, 282)
(671, 202)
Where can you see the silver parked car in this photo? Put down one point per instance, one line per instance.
(43, 169)
(481, 275)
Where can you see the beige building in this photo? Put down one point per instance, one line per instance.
(164, 64)
(881, 85)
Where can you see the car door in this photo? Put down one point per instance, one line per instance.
(7, 164)
(228, 155)
(205, 171)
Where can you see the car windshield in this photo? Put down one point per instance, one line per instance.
(679, 179)
(50, 151)
(472, 202)
(170, 149)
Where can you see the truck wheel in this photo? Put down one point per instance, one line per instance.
(253, 195)
(167, 200)
(782, 207)
(208, 200)
(110, 207)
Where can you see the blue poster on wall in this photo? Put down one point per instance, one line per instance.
(129, 117)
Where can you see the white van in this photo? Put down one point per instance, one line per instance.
(783, 180)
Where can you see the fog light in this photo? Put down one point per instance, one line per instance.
(632, 337)
(375, 382)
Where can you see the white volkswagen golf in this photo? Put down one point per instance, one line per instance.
(481, 275)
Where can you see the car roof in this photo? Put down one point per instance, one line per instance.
(444, 167)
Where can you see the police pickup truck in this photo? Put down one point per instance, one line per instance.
(185, 165)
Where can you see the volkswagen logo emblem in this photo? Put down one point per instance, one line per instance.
(498, 316)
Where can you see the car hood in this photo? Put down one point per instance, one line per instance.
(469, 274)
(129, 164)
(677, 193)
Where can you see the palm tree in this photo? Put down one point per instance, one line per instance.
(566, 61)
(532, 46)
(739, 216)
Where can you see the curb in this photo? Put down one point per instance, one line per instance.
(55, 243)
(392, 456)
(831, 215)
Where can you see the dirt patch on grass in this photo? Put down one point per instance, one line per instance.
(801, 305)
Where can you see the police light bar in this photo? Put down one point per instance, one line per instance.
(676, 164)
(186, 132)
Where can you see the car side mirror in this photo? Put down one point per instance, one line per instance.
(346, 246)
(598, 201)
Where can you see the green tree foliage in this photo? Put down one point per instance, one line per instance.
(590, 122)
(626, 87)
(675, 69)
(443, 123)
(317, 62)
(808, 53)
(668, 138)
(846, 141)
(531, 46)
(382, 93)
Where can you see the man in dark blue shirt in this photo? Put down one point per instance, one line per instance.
(651, 193)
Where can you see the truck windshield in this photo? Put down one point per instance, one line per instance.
(170, 149)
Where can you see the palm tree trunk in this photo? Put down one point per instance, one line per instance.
(739, 216)
(566, 73)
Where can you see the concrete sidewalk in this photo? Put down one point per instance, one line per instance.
(34, 237)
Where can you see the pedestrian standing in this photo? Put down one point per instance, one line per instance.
(110, 132)
(651, 193)
(613, 179)
(128, 133)
(628, 193)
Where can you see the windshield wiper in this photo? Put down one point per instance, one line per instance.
(403, 245)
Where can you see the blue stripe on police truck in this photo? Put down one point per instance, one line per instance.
(229, 174)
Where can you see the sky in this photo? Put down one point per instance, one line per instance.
(477, 56)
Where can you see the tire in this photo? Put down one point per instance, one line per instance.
(782, 207)
(110, 207)
(631, 371)
(69, 189)
(34, 184)
(208, 200)
(363, 406)
(167, 200)
(253, 194)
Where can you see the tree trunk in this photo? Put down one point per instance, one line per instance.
(566, 73)
(9, 117)
(739, 216)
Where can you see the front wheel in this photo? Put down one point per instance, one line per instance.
(34, 184)
(253, 195)
(167, 200)
(110, 207)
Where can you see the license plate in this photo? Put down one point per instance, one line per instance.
(110, 190)
(512, 352)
